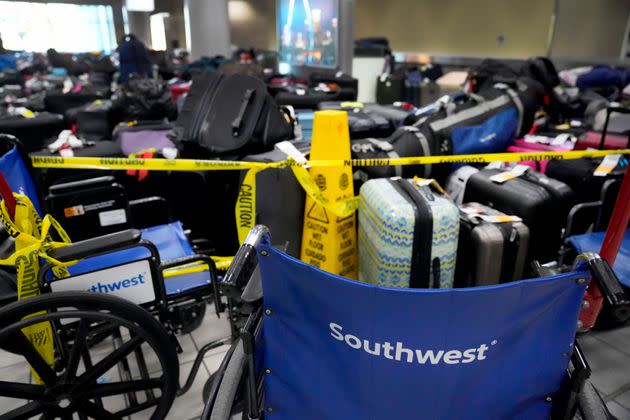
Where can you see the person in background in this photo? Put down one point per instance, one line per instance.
(2, 51)
(133, 57)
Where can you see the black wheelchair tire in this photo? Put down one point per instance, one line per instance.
(229, 400)
(591, 405)
(143, 329)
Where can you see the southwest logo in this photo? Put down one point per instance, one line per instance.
(398, 352)
(117, 285)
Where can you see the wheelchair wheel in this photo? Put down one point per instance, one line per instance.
(591, 406)
(96, 381)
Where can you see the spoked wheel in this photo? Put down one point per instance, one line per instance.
(134, 370)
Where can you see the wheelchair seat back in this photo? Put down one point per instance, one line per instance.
(337, 348)
(17, 175)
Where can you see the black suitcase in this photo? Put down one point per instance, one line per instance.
(543, 204)
(33, 132)
(390, 88)
(362, 123)
(275, 186)
(95, 121)
(578, 174)
(231, 114)
(60, 103)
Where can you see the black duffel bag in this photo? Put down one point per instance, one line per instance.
(230, 115)
(144, 99)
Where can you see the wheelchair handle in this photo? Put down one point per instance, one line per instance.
(244, 263)
(613, 295)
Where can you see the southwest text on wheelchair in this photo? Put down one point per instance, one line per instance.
(398, 352)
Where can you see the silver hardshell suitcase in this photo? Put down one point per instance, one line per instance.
(492, 247)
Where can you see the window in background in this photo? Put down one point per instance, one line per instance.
(64, 27)
(158, 31)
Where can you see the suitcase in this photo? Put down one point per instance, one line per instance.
(361, 122)
(143, 135)
(543, 204)
(579, 175)
(592, 140)
(390, 88)
(492, 247)
(95, 121)
(231, 114)
(533, 144)
(60, 103)
(275, 186)
(407, 234)
(33, 132)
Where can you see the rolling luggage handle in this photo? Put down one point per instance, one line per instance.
(609, 111)
(238, 121)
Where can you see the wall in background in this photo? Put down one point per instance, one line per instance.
(253, 23)
(459, 27)
(590, 29)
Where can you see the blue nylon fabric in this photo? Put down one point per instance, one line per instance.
(18, 177)
(315, 376)
(592, 242)
(492, 136)
(171, 243)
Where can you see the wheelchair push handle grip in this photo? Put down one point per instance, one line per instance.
(240, 271)
(245, 262)
(612, 292)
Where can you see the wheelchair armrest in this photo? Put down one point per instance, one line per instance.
(218, 305)
(579, 210)
(80, 184)
(93, 246)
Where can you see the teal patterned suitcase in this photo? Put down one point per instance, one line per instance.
(408, 231)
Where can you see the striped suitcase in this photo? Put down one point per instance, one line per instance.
(408, 232)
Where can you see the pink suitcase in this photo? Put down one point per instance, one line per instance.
(592, 139)
(524, 146)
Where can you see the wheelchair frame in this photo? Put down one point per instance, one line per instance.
(239, 370)
(60, 391)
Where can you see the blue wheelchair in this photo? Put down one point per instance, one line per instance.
(320, 346)
(110, 322)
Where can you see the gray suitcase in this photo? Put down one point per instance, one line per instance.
(492, 247)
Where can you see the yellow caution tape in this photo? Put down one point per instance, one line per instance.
(245, 208)
(59, 162)
(33, 241)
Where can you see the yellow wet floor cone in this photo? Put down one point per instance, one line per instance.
(330, 242)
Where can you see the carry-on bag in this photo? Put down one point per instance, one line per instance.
(404, 142)
(408, 231)
(361, 122)
(231, 114)
(605, 139)
(492, 247)
(279, 198)
(542, 202)
(534, 143)
(96, 120)
(588, 176)
(134, 137)
(33, 130)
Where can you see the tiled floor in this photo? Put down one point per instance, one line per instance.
(607, 352)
